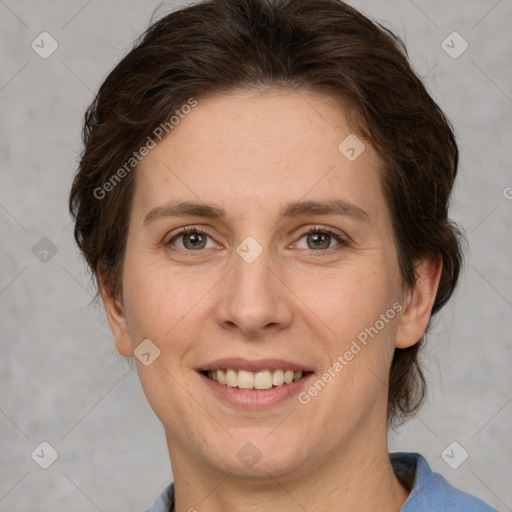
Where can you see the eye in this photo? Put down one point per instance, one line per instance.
(192, 239)
(318, 239)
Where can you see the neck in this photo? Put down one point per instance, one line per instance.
(357, 476)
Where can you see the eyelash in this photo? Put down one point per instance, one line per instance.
(311, 231)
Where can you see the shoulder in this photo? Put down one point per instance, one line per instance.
(431, 491)
(165, 501)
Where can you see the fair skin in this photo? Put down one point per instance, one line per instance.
(250, 155)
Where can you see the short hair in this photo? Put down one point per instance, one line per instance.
(321, 46)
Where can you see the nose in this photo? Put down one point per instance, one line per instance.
(254, 301)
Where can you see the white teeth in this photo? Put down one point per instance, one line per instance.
(278, 377)
(263, 380)
(231, 378)
(244, 379)
(288, 376)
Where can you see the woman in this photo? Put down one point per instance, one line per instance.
(263, 201)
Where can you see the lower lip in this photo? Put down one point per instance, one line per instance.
(256, 398)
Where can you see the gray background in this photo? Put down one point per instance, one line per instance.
(61, 380)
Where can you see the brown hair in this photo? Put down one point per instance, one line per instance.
(322, 46)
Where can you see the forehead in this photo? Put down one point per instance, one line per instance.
(256, 149)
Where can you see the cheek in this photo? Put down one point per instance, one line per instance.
(351, 298)
(354, 312)
(164, 304)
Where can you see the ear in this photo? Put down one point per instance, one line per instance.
(418, 302)
(115, 316)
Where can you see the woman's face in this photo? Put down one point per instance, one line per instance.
(249, 289)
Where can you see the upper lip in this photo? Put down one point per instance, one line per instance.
(254, 365)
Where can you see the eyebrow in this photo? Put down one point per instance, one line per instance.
(289, 210)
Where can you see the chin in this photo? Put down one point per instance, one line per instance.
(257, 456)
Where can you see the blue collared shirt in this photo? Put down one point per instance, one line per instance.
(430, 492)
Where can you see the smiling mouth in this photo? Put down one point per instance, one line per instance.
(243, 379)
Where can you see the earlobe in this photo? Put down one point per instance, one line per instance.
(115, 315)
(418, 303)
